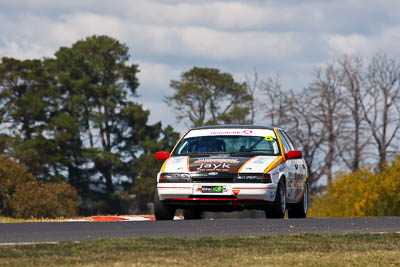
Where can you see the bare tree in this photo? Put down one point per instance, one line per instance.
(273, 103)
(347, 110)
(307, 132)
(252, 86)
(381, 107)
(327, 106)
(353, 142)
(294, 111)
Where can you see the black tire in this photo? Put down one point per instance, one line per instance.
(161, 210)
(299, 210)
(192, 214)
(278, 208)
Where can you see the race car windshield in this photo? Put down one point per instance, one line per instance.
(235, 144)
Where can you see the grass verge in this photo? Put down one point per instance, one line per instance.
(299, 250)
(16, 220)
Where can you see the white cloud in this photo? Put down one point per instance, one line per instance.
(14, 49)
(35, 36)
(51, 4)
(22, 38)
(363, 45)
(84, 24)
(238, 46)
(168, 37)
(223, 15)
(203, 42)
(388, 40)
(238, 15)
(154, 79)
(350, 44)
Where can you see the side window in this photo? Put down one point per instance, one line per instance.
(289, 141)
(284, 142)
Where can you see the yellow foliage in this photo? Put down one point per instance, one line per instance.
(361, 193)
(22, 196)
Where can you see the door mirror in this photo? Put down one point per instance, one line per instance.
(162, 155)
(294, 154)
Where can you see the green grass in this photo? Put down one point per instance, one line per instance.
(296, 250)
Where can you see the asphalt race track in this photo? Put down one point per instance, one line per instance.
(81, 231)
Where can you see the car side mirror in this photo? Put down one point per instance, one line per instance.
(294, 154)
(162, 155)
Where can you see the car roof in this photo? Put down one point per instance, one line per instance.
(235, 126)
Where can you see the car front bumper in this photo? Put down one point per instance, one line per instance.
(234, 195)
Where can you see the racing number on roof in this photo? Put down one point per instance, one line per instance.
(269, 138)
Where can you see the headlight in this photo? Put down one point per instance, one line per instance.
(175, 178)
(253, 178)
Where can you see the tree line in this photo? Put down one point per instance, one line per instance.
(72, 120)
(347, 117)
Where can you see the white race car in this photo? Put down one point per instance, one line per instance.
(232, 168)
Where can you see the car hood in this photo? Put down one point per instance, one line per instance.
(256, 164)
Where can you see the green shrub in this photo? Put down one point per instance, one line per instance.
(22, 196)
(362, 193)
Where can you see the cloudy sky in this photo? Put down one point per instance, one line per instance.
(168, 37)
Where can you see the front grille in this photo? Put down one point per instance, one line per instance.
(212, 180)
(213, 196)
(217, 177)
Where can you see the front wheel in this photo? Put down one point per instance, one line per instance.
(278, 208)
(299, 210)
(161, 210)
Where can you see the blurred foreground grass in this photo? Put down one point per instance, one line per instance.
(295, 250)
